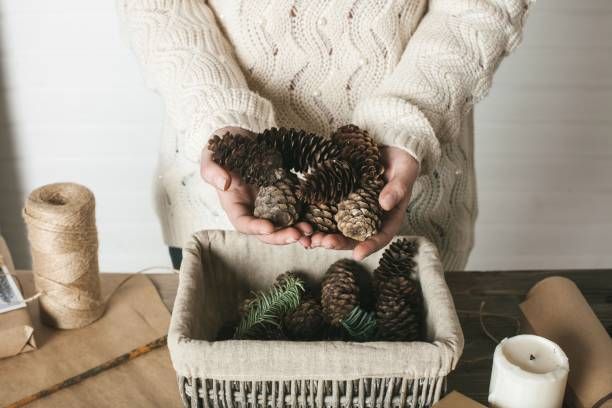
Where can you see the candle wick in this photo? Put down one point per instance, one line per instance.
(531, 357)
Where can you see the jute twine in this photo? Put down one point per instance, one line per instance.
(64, 245)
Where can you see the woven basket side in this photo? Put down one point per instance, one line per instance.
(218, 266)
(372, 393)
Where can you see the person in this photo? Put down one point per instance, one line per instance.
(407, 71)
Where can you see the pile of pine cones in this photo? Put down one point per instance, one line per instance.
(340, 177)
(340, 312)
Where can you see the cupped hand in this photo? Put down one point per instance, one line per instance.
(401, 171)
(237, 199)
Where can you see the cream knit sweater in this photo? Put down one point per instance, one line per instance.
(408, 71)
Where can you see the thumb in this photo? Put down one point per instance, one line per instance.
(212, 173)
(399, 186)
(396, 190)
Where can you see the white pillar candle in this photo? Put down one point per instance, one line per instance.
(528, 372)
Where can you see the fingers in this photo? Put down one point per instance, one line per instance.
(391, 226)
(237, 206)
(281, 237)
(305, 228)
(331, 241)
(247, 224)
(305, 242)
(212, 173)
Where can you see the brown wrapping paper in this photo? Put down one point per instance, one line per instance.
(16, 333)
(16, 329)
(5, 256)
(556, 309)
(457, 400)
(135, 316)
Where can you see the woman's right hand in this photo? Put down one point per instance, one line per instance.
(237, 199)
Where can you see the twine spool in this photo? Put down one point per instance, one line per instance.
(64, 245)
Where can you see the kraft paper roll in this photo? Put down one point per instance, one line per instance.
(556, 309)
(457, 400)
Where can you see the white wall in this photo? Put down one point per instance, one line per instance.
(74, 107)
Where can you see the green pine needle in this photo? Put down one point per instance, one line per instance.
(267, 308)
(359, 324)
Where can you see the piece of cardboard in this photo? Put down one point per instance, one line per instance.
(457, 400)
(556, 309)
(135, 316)
(16, 328)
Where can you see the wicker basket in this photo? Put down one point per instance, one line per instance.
(220, 268)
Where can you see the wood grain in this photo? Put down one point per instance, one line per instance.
(502, 292)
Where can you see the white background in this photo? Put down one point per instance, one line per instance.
(74, 107)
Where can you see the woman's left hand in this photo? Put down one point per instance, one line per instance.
(401, 171)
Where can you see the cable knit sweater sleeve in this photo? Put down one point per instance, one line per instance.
(446, 67)
(191, 64)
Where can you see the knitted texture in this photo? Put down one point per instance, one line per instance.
(407, 71)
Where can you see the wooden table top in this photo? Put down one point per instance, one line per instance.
(502, 292)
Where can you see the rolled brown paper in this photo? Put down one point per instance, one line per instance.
(556, 309)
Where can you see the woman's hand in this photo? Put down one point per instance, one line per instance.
(401, 171)
(237, 198)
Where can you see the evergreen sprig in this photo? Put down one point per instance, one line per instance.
(267, 308)
(359, 324)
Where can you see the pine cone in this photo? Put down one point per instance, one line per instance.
(358, 148)
(299, 149)
(269, 332)
(339, 290)
(399, 302)
(306, 322)
(398, 259)
(277, 202)
(328, 182)
(360, 215)
(245, 305)
(398, 315)
(321, 217)
(254, 162)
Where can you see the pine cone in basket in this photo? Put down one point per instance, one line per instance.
(254, 162)
(299, 149)
(399, 302)
(321, 217)
(306, 322)
(360, 150)
(327, 182)
(360, 215)
(339, 290)
(245, 305)
(262, 313)
(277, 202)
(398, 259)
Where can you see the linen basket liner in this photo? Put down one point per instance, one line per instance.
(221, 267)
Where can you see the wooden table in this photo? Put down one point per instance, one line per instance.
(501, 292)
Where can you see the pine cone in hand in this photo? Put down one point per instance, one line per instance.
(328, 182)
(340, 291)
(321, 217)
(399, 301)
(277, 202)
(254, 162)
(306, 322)
(360, 215)
(299, 149)
(358, 148)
